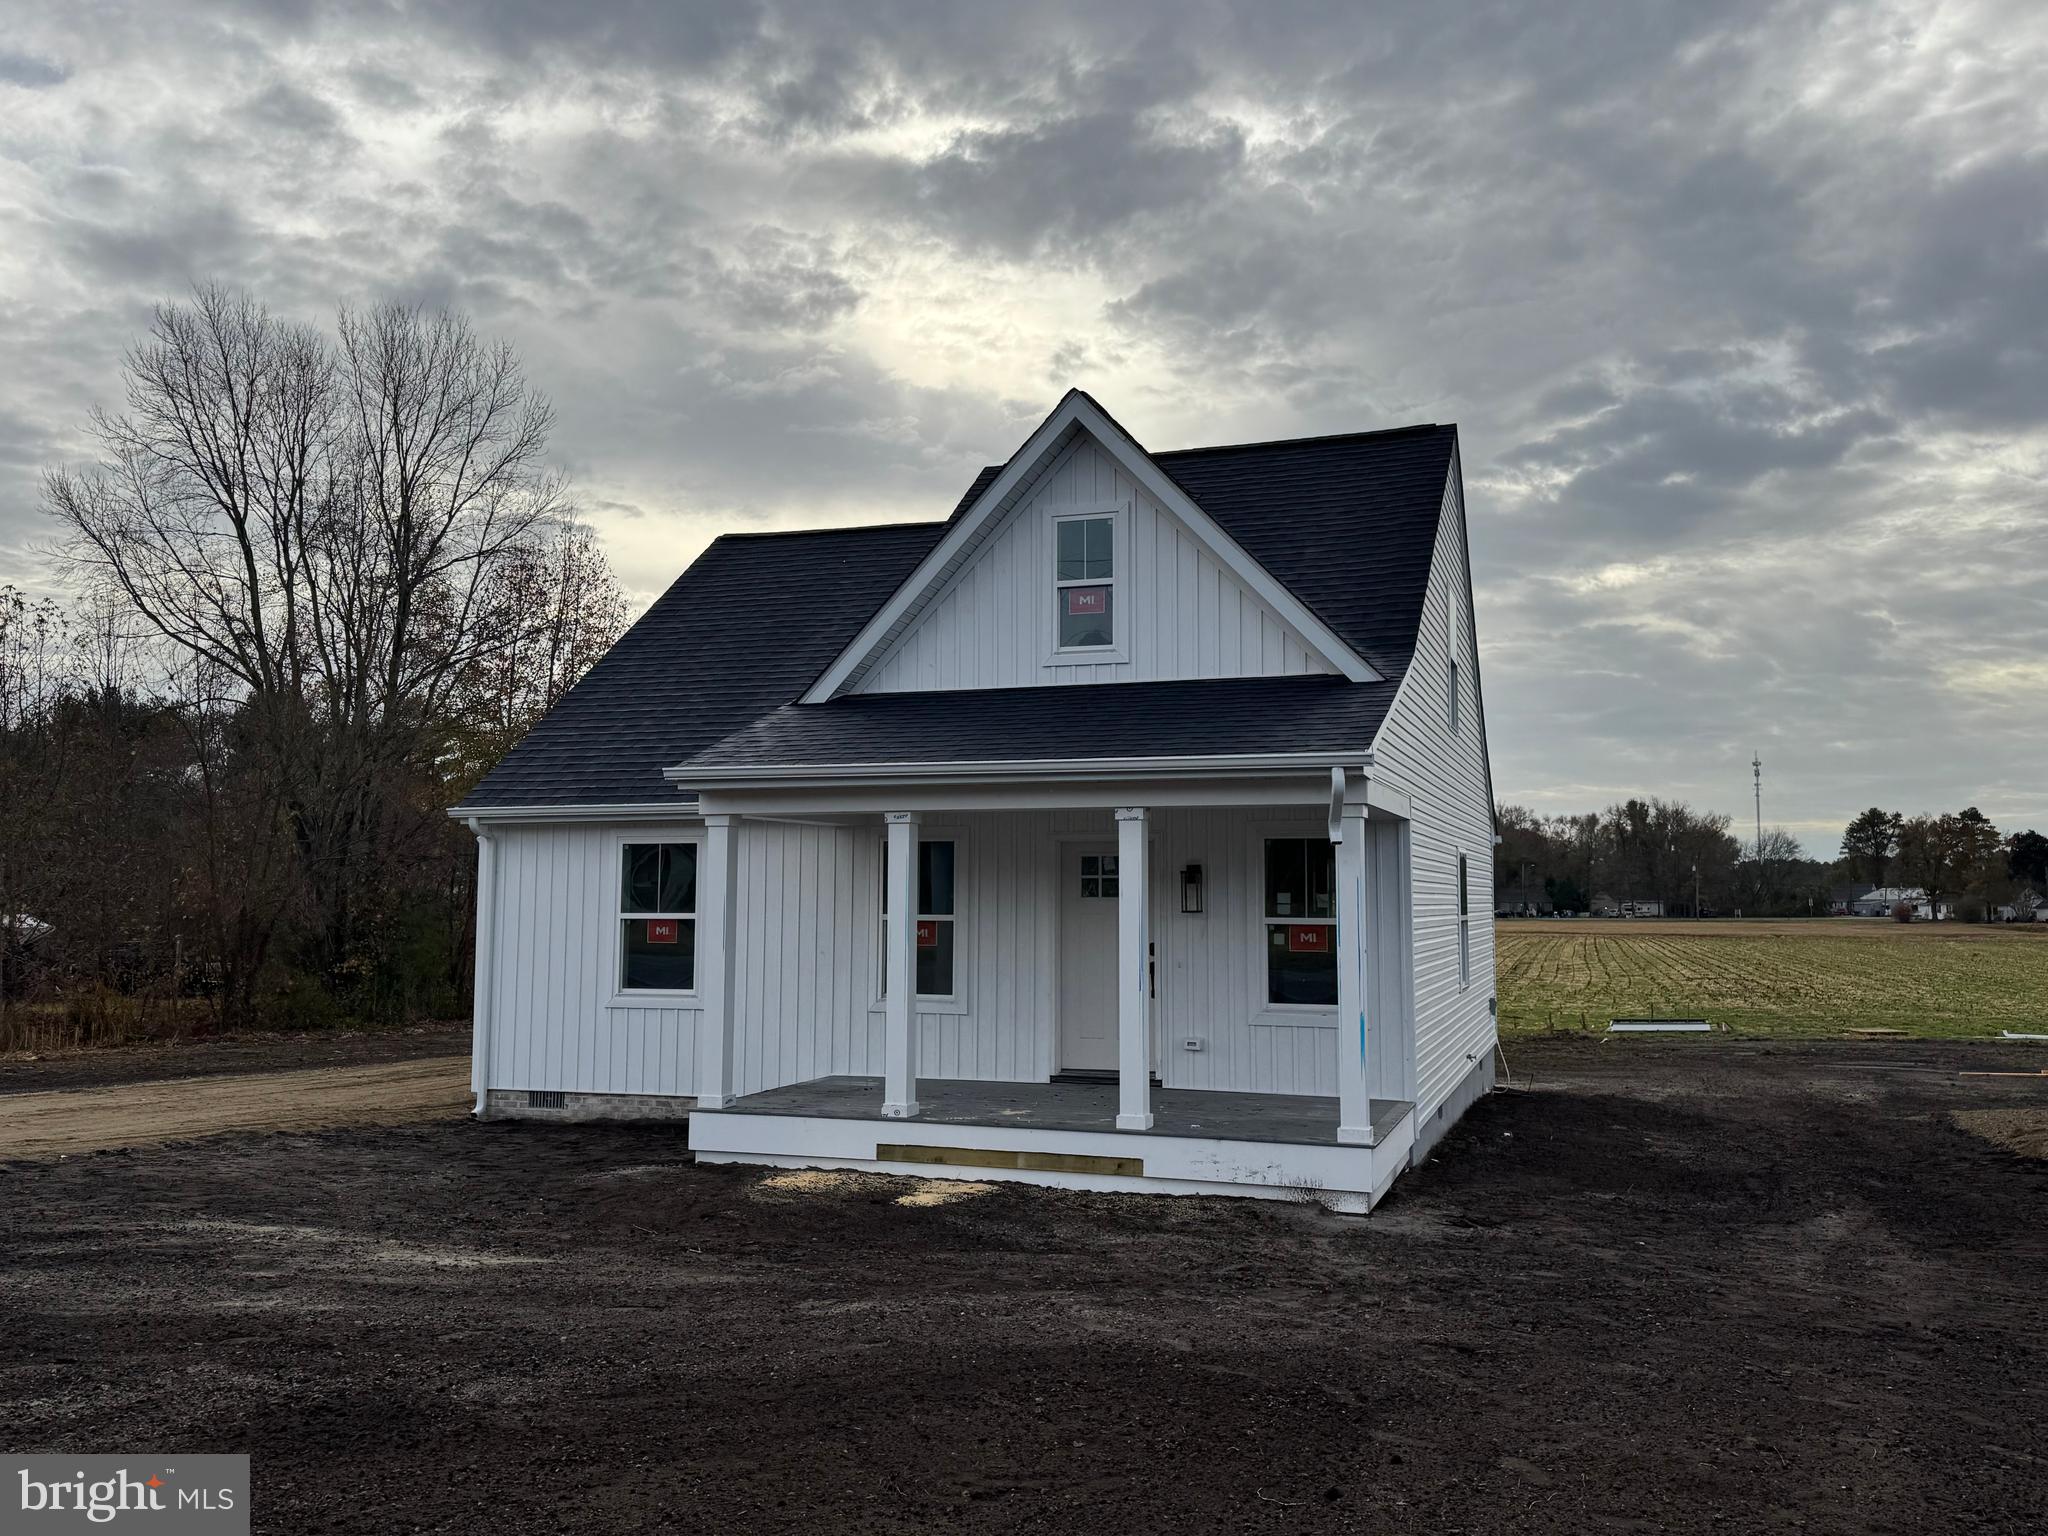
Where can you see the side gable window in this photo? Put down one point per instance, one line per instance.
(1084, 582)
(1453, 697)
(1464, 923)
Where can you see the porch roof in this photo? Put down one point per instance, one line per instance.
(1216, 717)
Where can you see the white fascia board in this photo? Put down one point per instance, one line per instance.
(1017, 770)
(679, 809)
(1076, 410)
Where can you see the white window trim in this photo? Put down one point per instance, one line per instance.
(1265, 1012)
(1056, 655)
(615, 994)
(925, 1002)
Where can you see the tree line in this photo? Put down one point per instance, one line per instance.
(1957, 859)
(322, 581)
(1691, 862)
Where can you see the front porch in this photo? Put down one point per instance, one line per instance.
(1222, 961)
(1065, 1134)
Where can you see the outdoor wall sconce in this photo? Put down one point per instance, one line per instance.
(1191, 888)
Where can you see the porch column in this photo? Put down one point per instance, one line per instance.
(1354, 1081)
(717, 947)
(899, 1029)
(1133, 937)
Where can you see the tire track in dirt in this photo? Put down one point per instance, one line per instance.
(73, 1122)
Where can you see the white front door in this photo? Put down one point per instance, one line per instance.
(1088, 987)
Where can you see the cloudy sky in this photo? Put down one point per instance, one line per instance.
(1742, 309)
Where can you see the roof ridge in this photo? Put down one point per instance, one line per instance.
(811, 533)
(1299, 442)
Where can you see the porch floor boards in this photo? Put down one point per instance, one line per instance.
(1296, 1119)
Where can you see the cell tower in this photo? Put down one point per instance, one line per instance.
(1756, 769)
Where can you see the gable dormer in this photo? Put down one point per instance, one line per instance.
(1083, 562)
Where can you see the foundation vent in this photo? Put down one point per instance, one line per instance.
(546, 1098)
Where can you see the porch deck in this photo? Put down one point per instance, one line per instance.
(1291, 1119)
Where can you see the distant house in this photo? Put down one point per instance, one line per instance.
(2029, 906)
(1842, 899)
(1881, 900)
(1125, 830)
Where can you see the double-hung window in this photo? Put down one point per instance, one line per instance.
(1301, 921)
(935, 918)
(1084, 583)
(1464, 925)
(658, 917)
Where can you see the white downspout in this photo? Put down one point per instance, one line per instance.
(486, 935)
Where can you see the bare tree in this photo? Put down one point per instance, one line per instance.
(321, 525)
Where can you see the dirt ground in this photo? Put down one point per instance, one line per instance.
(37, 1072)
(78, 1120)
(1666, 1285)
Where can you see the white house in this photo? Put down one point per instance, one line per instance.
(1130, 829)
(1881, 900)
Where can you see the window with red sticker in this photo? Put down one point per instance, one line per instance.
(657, 917)
(1301, 922)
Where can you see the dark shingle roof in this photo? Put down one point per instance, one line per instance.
(710, 673)
(1348, 524)
(743, 630)
(1111, 720)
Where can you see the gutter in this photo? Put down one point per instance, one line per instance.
(486, 954)
(658, 810)
(1017, 770)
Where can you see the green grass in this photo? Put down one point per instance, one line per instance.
(1790, 979)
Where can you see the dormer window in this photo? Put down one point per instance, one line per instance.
(1084, 582)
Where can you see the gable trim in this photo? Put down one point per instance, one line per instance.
(1076, 413)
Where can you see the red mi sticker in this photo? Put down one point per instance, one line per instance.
(1082, 600)
(662, 930)
(927, 935)
(1308, 940)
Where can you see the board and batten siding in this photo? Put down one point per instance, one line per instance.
(806, 990)
(1446, 779)
(557, 897)
(805, 980)
(1179, 613)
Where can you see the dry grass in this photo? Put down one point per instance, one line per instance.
(95, 1016)
(1776, 978)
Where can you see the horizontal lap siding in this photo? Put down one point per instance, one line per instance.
(1447, 782)
(1182, 615)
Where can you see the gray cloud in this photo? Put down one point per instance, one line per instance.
(1741, 308)
(26, 70)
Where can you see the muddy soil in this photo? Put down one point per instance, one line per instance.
(1721, 1288)
(41, 1071)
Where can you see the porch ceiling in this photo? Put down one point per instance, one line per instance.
(1292, 1119)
